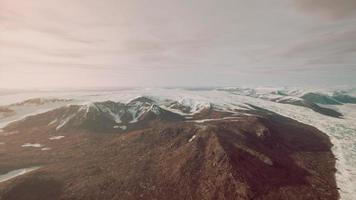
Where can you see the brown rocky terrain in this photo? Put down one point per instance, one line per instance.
(257, 156)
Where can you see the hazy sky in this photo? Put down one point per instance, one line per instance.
(98, 43)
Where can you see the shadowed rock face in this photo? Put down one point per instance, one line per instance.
(338, 98)
(320, 99)
(315, 107)
(311, 100)
(257, 156)
(344, 98)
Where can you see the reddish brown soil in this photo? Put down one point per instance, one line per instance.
(264, 158)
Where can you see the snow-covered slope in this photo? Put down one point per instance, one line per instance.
(107, 116)
(19, 110)
(135, 104)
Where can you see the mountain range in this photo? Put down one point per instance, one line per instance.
(224, 143)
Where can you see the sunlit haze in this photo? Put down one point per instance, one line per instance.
(121, 43)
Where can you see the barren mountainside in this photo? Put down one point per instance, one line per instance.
(144, 149)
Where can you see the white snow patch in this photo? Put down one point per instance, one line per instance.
(64, 122)
(36, 145)
(121, 127)
(56, 137)
(201, 127)
(115, 117)
(16, 173)
(136, 113)
(192, 138)
(155, 109)
(45, 149)
(53, 122)
(215, 119)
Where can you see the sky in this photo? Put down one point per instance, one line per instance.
(160, 43)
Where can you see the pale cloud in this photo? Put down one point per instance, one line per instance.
(329, 9)
(165, 43)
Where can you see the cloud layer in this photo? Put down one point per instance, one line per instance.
(87, 43)
(329, 9)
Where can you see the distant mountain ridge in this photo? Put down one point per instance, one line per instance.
(107, 116)
(312, 100)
